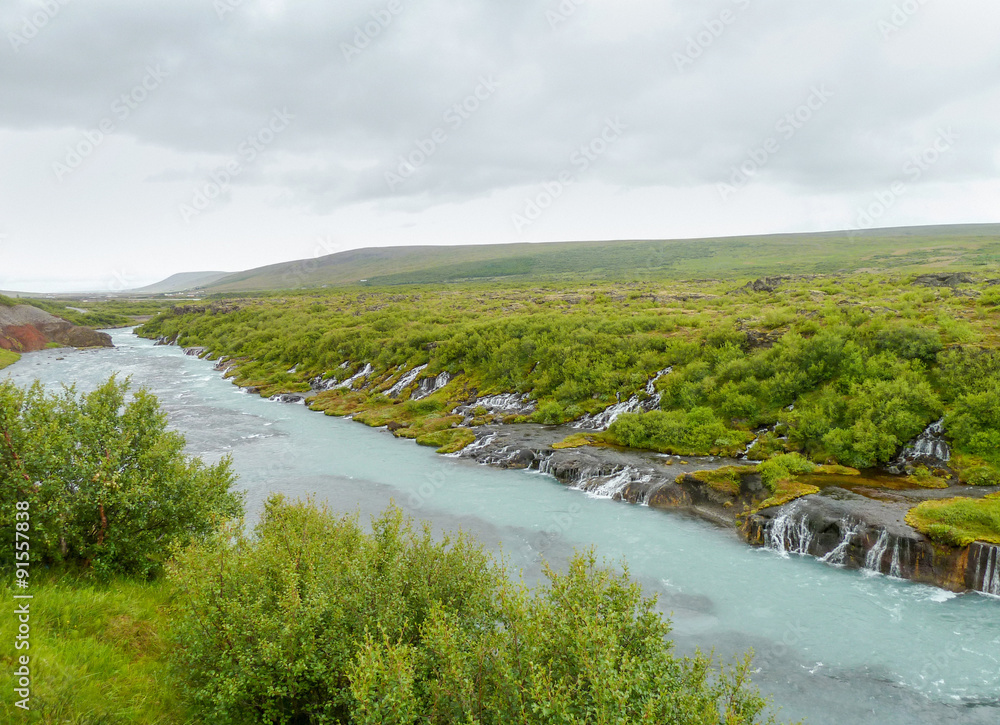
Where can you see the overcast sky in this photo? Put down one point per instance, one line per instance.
(140, 139)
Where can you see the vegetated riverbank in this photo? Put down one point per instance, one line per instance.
(824, 367)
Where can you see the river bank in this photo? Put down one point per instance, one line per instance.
(843, 517)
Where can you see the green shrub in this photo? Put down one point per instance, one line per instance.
(696, 432)
(981, 476)
(106, 485)
(549, 413)
(422, 407)
(783, 467)
(315, 621)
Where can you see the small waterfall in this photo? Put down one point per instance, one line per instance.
(545, 466)
(290, 398)
(873, 559)
(318, 383)
(989, 583)
(837, 556)
(476, 446)
(613, 484)
(757, 436)
(431, 385)
(604, 419)
(895, 570)
(405, 381)
(789, 533)
(502, 404)
(928, 445)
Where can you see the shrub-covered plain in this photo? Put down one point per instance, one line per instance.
(847, 368)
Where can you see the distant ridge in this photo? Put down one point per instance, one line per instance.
(970, 247)
(181, 282)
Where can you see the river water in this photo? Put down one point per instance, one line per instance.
(832, 646)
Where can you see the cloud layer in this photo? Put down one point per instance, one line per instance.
(142, 136)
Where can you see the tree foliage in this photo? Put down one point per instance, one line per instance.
(313, 620)
(107, 485)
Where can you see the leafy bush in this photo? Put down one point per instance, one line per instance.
(549, 413)
(315, 621)
(783, 467)
(106, 484)
(697, 432)
(974, 424)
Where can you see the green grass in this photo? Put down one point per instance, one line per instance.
(97, 654)
(958, 521)
(8, 358)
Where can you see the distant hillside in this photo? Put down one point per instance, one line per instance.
(965, 247)
(181, 282)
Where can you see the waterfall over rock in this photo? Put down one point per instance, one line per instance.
(500, 405)
(790, 532)
(428, 386)
(604, 419)
(838, 555)
(873, 560)
(986, 574)
(930, 447)
(319, 384)
(405, 381)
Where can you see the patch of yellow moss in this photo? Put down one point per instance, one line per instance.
(451, 440)
(785, 491)
(834, 470)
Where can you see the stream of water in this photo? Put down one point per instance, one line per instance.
(832, 646)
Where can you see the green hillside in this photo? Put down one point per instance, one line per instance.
(964, 248)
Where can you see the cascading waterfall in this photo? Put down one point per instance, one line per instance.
(790, 533)
(613, 484)
(319, 383)
(604, 419)
(837, 556)
(477, 445)
(873, 559)
(405, 381)
(991, 574)
(430, 386)
(928, 446)
(894, 567)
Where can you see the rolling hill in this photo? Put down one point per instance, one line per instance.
(964, 248)
(181, 282)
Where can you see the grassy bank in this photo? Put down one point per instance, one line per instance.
(8, 358)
